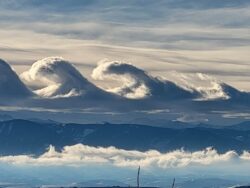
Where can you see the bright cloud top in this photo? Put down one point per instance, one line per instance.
(207, 86)
(79, 154)
(136, 83)
(56, 77)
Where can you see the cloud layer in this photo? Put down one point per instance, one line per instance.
(55, 77)
(55, 84)
(78, 155)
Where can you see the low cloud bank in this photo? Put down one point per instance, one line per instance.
(78, 155)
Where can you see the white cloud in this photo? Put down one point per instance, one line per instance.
(215, 91)
(79, 154)
(132, 78)
(196, 118)
(209, 87)
(56, 77)
(137, 83)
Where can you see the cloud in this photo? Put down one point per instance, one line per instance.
(137, 83)
(215, 91)
(197, 118)
(57, 85)
(79, 154)
(10, 84)
(207, 86)
(210, 31)
(234, 115)
(56, 77)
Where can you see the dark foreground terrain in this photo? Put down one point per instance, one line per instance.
(182, 182)
(105, 187)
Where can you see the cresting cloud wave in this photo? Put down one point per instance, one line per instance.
(208, 87)
(54, 77)
(137, 83)
(78, 155)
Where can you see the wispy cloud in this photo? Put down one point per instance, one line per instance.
(203, 37)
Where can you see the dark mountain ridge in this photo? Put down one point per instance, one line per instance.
(33, 137)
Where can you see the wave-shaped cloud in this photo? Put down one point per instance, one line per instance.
(137, 83)
(10, 84)
(208, 87)
(60, 85)
(56, 77)
(82, 155)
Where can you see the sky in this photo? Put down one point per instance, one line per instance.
(144, 61)
(161, 37)
(178, 58)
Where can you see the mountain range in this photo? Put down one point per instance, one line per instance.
(34, 137)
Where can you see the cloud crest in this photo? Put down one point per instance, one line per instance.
(56, 77)
(208, 87)
(137, 83)
(83, 155)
